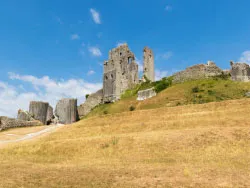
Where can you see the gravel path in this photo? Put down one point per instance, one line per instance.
(33, 135)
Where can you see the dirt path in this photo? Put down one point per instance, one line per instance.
(28, 136)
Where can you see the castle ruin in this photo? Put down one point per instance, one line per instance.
(120, 73)
(148, 65)
(240, 71)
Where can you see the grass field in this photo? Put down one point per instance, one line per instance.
(192, 92)
(201, 145)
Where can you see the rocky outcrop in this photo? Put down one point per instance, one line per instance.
(66, 111)
(146, 94)
(199, 71)
(92, 101)
(38, 110)
(7, 123)
(240, 72)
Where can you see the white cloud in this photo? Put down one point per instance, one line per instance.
(245, 57)
(90, 72)
(166, 55)
(95, 51)
(13, 98)
(95, 16)
(119, 43)
(74, 37)
(160, 74)
(168, 8)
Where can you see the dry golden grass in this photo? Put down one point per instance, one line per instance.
(13, 134)
(206, 145)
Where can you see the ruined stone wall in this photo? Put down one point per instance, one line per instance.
(50, 115)
(25, 116)
(240, 72)
(199, 71)
(148, 65)
(146, 94)
(38, 110)
(66, 111)
(92, 101)
(7, 123)
(120, 73)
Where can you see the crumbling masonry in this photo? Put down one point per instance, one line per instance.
(148, 65)
(120, 73)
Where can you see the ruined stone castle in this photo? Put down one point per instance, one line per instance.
(120, 72)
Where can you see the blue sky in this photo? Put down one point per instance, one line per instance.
(53, 49)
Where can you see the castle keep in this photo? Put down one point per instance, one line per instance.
(120, 73)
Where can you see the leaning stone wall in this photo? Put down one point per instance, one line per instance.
(7, 123)
(66, 111)
(240, 72)
(196, 72)
(92, 101)
(38, 110)
(146, 94)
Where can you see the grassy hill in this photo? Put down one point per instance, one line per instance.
(173, 145)
(192, 92)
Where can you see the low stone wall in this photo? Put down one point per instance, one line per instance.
(196, 72)
(66, 111)
(146, 94)
(240, 72)
(7, 123)
(92, 101)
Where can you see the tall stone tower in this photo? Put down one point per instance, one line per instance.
(148, 64)
(120, 73)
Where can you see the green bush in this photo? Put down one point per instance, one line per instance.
(131, 108)
(162, 84)
(195, 89)
(105, 112)
(86, 96)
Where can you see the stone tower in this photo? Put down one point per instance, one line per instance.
(148, 64)
(120, 73)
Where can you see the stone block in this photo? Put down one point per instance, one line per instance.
(66, 111)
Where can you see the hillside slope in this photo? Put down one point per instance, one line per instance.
(192, 92)
(201, 145)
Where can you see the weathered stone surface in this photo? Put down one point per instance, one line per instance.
(50, 115)
(240, 72)
(25, 116)
(92, 101)
(120, 73)
(197, 72)
(148, 65)
(7, 123)
(146, 94)
(38, 110)
(66, 111)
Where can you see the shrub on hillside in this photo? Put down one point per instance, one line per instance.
(195, 89)
(163, 84)
(86, 96)
(131, 108)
